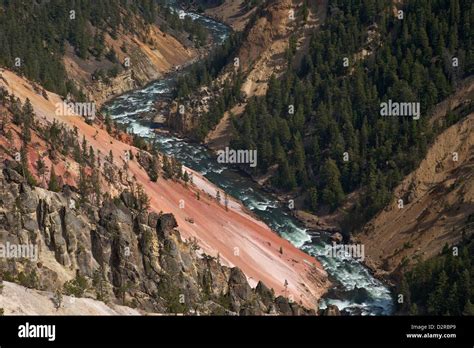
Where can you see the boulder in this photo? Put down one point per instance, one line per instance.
(239, 289)
(266, 295)
(166, 224)
(330, 310)
(283, 306)
(13, 176)
(153, 219)
(128, 199)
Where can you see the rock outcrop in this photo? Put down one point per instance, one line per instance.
(258, 254)
(129, 257)
(437, 205)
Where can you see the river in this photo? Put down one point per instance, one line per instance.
(126, 109)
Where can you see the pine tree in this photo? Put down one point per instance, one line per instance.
(332, 193)
(436, 299)
(95, 183)
(25, 166)
(186, 177)
(40, 167)
(108, 123)
(468, 308)
(465, 288)
(153, 170)
(452, 301)
(58, 299)
(143, 200)
(91, 156)
(313, 198)
(405, 291)
(84, 149)
(26, 131)
(53, 181)
(3, 121)
(16, 111)
(286, 176)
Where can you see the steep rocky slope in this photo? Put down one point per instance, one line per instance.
(232, 235)
(263, 50)
(139, 252)
(235, 13)
(144, 56)
(91, 50)
(150, 55)
(431, 207)
(270, 29)
(263, 53)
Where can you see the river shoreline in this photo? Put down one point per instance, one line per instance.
(283, 198)
(202, 53)
(279, 198)
(338, 289)
(261, 203)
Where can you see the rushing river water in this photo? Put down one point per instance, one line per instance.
(126, 109)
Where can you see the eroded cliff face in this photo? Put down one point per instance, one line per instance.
(78, 232)
(259, 255)
(144, 54)
(235, 13)
(140, 256)
(434, 205)
(261, 55)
